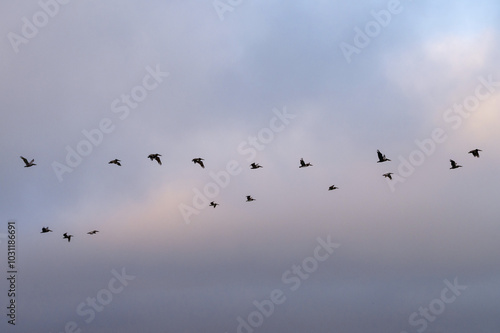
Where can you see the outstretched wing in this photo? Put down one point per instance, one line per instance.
(25, 160)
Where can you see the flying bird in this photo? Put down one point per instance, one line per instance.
(249, 198)
(93, 232)
(155, 157)
(45, 229)
(333, 187)
(199, 160)
(475, 152)
(381, 157)
(115, 161)
(454, 165)
(66, 236)
(214, 204)
(28, 164)
(388, 175)
(255, 166)
(304, 164)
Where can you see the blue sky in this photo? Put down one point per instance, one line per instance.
(236, 82)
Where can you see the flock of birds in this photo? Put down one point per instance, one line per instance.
(454, 165)
(249, 198)
(65, 235)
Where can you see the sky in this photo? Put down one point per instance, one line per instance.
(237, 82)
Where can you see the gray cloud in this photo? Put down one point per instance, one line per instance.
(225, 79)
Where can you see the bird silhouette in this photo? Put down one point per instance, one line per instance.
(214, 204)
(304, 164)
(388, 175)
(249, 198)
(333, 187)
(199, 160)
(68, 237)
(155, 157)
(45, 229)
(475, 152)
(28, 164)
(255, 166)
(115, 161)
(381, 157)
(93, 232)
(454, 165)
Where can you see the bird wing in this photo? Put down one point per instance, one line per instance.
(380, 156)
(157, 158)
(453, 163)
(302, 163)
(25, 160)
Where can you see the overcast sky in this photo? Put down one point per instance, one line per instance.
(236, 82)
